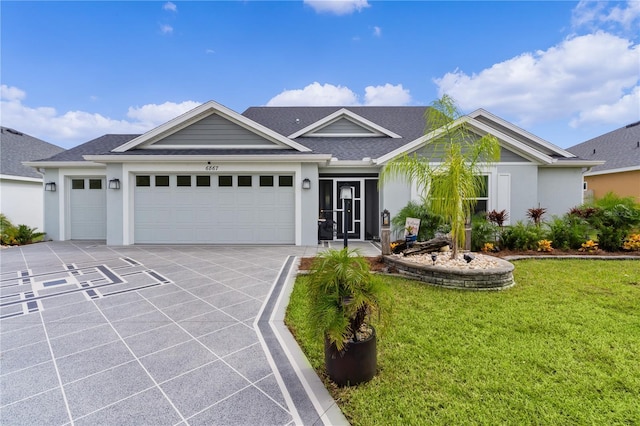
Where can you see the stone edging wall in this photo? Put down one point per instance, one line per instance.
(463, 279)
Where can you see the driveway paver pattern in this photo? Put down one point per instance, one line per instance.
(159, 335)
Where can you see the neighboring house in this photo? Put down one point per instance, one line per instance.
(620, 150)
(21, 199)
(266, 176)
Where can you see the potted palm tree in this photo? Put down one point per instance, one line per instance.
(343, 294)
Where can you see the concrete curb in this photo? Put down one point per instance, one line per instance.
(304, 392)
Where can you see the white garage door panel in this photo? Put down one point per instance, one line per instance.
(232, 215)
(88, 210)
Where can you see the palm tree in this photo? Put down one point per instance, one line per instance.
(450, 179)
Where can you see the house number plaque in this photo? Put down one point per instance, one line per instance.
(211, 168)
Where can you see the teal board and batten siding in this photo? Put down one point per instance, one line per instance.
(344, 127)
(214, 130)
(434, 153)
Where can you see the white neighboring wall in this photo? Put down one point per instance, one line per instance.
(21, 200)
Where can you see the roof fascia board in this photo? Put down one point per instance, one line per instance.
(201, 112)
(306, 158)
(523, 132)
(350, 163)
(21, 178)
(611, 171)
(343, 112)
(61, 164)
(522, 148)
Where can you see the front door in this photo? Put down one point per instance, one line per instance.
(332, 208)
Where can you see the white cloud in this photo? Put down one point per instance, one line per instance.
(596, 13)
(154, 114)
(11, 93)
(166, 29)
(170, 7)
(73, 127)
(337, 7)
(377, 31)
(625, 110)
(386, 95)
(578, 75)
(316, 94)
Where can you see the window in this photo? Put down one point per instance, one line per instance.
(244, 180)
(203, 180)
(483, 198)
(162, 180)
(285, 180)
(77, 183)
(266, 180)
(225, 180)
(143, 180)
(95, 183)
(184, 180)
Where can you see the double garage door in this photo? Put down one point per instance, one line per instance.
(205, 209)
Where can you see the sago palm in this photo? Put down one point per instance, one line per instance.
(342, 294)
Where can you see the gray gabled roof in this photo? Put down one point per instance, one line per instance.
(619, 148)
(401, 127)
(406, 121)
(102, 145)
(16, 147)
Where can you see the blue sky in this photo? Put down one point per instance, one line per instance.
(72, 71)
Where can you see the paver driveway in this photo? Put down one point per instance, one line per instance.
(158, 335)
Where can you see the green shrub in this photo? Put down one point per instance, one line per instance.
(613, 219)
(567, 232)
(27, 235)
(482, 231)
(22, 234)
(7, 231)
(521, 236)
(429, 223)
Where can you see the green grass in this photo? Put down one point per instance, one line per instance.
(561, 347)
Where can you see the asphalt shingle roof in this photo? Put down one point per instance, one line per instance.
(102, 145)
(619, 148)
(16, 147)
(407, 122)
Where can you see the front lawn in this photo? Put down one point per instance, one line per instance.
(561, 347)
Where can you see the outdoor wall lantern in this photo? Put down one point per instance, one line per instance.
(114, 184)
(50, 186)
(386, 218)
(346, 195)
(306, 183)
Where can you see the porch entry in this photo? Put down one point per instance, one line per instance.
(363, 221)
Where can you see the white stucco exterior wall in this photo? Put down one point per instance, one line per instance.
(22, 201)
(394, 195)
(523, 189)
(559, 189)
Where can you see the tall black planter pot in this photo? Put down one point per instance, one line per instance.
(357, 364)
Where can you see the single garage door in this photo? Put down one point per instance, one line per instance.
(88, 209)
(231, 209)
